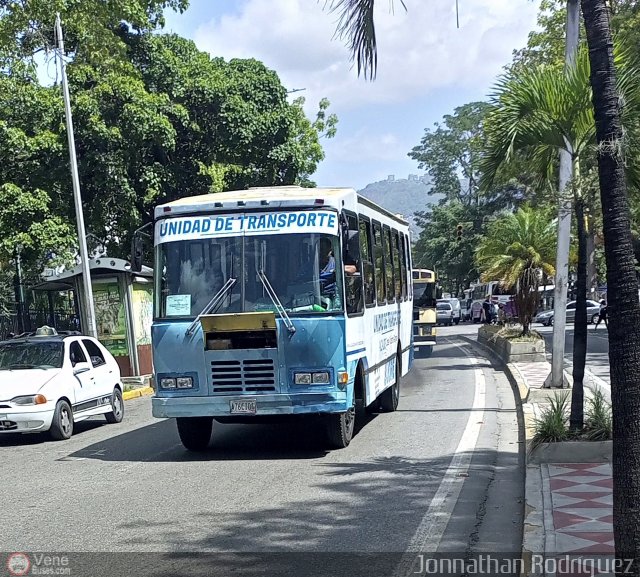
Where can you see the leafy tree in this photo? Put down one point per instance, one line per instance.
(519, 250)
(177, 123)
(451, 153)
(91, 27)
(622, 284)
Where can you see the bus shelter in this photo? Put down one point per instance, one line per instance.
(123, 304)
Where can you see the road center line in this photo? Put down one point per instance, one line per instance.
(427, 537)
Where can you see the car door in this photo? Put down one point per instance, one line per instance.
(571, 312)
(103, 373)
(82, 375)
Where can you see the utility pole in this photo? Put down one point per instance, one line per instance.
(90, 316)
(19, 292)
(556, 378)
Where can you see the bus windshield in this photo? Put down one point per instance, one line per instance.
(425, 294)
(303, 269)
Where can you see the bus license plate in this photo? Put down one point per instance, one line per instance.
(245, 406)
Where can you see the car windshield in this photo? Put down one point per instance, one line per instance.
(443, 307)
(302, 269)
(31, 355)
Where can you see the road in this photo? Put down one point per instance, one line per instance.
(597, 348)
(445, 473)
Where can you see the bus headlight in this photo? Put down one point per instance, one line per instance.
(184, 382)
(302, 378)
(167, 383)
(321, 378)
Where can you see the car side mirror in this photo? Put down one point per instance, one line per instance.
(82, 368)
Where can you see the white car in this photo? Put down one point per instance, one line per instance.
(593, 313)
(49, 381)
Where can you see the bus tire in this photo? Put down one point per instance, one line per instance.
(390, 398)
(195, 432)
(340, 427)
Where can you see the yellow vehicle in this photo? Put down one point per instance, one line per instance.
(425, 295)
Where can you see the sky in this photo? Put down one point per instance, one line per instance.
(426, 67)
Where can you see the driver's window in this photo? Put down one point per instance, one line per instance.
(352, 266)
(76, 354)
(571, 306)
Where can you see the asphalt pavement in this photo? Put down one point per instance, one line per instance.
(442, 474)
(597, 348)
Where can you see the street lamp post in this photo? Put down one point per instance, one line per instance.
(556, 378)
(82, 238)
(19, 291)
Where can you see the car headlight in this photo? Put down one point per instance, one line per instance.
(29, 400)
(184, 382)
(167, 383)
(302, 378)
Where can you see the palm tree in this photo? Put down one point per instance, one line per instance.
(539, 112)
(622, 285)
(519, 249)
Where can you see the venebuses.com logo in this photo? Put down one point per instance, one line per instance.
(18, 564)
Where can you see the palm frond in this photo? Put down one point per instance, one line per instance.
(356, 25)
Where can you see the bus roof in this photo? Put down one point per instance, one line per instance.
(274, 196)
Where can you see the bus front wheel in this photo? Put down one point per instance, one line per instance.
(195, 432)
(340, 427)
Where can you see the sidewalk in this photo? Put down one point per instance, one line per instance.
(569, 505)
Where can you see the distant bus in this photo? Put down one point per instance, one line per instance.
(492, 289)
(279, 301)
(425, 295)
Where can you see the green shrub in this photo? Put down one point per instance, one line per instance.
(551, 427)
(598, 422)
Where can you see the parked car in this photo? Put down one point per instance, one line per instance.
(49, 381)
(456, 307)
(444, 313)
(593, 313)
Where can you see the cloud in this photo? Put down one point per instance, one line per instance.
(419, 51)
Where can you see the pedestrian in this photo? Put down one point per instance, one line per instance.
(603, 315)
(502, 315)
(487, 310)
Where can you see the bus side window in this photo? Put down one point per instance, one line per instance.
(352, 267)
(379, 263)
(397, 267)
(388, 255)
(366, 253)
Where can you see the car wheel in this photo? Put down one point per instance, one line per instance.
(457, 321)
(62, 423)
(340, 427)
(195, 432)
(390, 398)
(595, 318)
(117, 407)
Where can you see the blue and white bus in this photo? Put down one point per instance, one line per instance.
(279, 301)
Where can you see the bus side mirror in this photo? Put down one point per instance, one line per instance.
(137, 246)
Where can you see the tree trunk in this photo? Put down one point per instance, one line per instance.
(576, 420)
(622, 287)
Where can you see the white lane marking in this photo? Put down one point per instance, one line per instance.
(427, 537)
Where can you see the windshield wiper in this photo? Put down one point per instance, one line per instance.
(276, 302)
(21, 366)
(217, 299)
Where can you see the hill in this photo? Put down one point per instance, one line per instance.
(402, 196)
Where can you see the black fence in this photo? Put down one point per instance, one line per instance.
(59, 320)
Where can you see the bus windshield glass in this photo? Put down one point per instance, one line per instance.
(424, 294)
(303, 268)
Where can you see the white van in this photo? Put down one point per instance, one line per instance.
(456, 308)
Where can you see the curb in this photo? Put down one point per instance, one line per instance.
(139, 392)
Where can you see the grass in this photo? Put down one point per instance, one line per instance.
(551, 427)
(553, 424)
(514, 333)
(598, 419)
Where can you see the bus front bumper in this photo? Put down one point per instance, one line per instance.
(424, 335)
(277, 404)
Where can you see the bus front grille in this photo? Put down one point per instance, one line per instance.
(247, 376)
